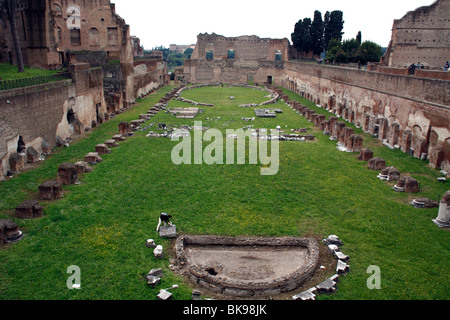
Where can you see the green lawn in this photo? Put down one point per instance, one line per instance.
(102, 224)
(9, 72)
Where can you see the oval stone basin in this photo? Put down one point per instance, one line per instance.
(246, 267)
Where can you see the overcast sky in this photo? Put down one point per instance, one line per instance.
(159, 22)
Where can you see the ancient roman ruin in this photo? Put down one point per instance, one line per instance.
(105, 77)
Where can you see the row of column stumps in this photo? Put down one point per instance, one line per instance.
(67, 174)
(350, 142)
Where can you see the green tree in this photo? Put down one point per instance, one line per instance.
(300, 34)
(334, 24)
(188, 52)
(359, 37)
(317, 34)
(370, 52)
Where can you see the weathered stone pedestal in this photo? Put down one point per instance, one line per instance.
(50, 190)
(29, 209)
(168, 231)
(443, 218)
(9, 232)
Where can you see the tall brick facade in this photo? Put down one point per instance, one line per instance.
(422, 35)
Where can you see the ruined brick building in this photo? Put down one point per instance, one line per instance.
(411, 113)
(422, 35)
(93, 42)
(239, 59)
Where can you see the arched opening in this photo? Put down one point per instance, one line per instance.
(209, 55)
(70, 117)
(278, 55)
(94, 37)
(57, 10)
(21, 145)
(231, 54)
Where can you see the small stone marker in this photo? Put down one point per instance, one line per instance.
(443, 218)
(158, 252)
(168, 231)
(50, 190)
(164, 295)
(150, 243)
(29, 209)
(306, 295)
(342, 267)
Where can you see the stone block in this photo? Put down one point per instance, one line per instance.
(92, 158)
(158, 252)
(67, 174)
(168, 231)
(46, 147)
(102, 149)
(82, 167)
(436, 156)
(29, 209)
(9, 232)
(32, 155)
(124, 128)
(50, 190)
(377, 164)
(111, 143)
(164, 295)
(365, 154)
(119, 138)
(16, 162)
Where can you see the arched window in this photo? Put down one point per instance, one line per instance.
(94, 37)
(57, 10)
(231, 53)
(59, 36)
(75, 37)
(278, 55)
(209, 55)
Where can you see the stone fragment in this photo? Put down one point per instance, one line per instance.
(82, 167)
(119, 138)
(306, 295)
(158, 252)
(341, 256)
(102, 149)
(443, 218)
(332, 239)
(32, 155)
(328, 286)
(50, 190)
(153, 281)
(111, 143)
(29, 209)
(164, 295)
(46, 147)
(377, 163)
(93, 158)
(150, 243)
(124, 128)
(9, 231)
(196, 295)
(365, 154)
(67, 174)
(16, 162)
(407, 184)
(424, 203)
(342, 267)
(168, 231)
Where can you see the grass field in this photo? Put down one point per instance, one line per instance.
(102, 224)
(9, 72)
